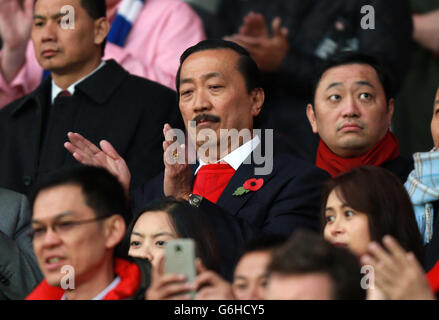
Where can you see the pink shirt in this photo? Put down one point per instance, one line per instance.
(163, 30)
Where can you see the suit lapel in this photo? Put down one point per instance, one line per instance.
(233, 203)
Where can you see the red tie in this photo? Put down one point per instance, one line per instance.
(212, 179)
(64, 93)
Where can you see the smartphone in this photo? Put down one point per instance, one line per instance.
(180, 258)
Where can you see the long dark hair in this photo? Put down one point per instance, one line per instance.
(188, 222)
(380, 194)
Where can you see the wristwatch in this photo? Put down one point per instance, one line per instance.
(195, 200)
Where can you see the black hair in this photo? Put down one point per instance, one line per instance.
(95, 9)
(246, 65)
(102, 191)
(264, 242)
(351, 57)
(189, 222)
(307, 252)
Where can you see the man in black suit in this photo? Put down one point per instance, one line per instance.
(83, 94)
(219, 90)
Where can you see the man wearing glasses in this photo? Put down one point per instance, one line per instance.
(78, 220)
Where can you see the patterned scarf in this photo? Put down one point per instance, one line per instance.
(126, 16)
(423, 187)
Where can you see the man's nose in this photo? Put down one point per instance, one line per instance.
(256, 292)
(202, 102)
(350, 108)
(50, 31)
(51, 238)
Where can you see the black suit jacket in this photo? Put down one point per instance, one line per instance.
(400, 166)
(111, 104)
(289, 199)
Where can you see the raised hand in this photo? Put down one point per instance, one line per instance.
(167, 286)
(15, 30)
(268, 52)
(210, 286)
(254, 26)
(426, 30)
(398, 275)
(177, 179)
(89, 154)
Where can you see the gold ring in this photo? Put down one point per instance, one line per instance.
(176, 155)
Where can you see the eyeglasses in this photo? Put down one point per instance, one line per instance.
(60, 228)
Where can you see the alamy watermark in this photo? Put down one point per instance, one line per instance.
(68, 281)
(210, 146)
(68, 19)
(368, 20)
(368, 280)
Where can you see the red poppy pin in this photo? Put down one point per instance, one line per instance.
(250, 185)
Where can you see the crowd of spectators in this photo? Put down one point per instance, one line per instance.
(276, 135)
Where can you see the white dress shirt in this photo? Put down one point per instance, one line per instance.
(56, 90)
(237, 156)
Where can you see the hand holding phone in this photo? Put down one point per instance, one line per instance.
(180, 259)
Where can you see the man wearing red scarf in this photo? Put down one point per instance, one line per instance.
(219, 89)
(77, 222)
(352, 112)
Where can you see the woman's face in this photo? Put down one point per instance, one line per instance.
(250, 276)
(150, 234)
(345, 226)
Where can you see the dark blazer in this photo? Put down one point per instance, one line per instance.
(288, 199)
(111, 104)
(19, 271)
(400, 166)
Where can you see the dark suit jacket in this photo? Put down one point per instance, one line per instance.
(400, 166)
(19, 271)
(289, 199)
(111, 104)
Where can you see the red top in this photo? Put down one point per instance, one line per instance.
(130, 279)
(433, 278)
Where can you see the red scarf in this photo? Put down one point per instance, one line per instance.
(211, 180)
(433, 278)
(128, 272)
(385, 150)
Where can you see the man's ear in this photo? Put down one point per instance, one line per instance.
(311, 118)
(115, 228)
(258, 97)
(390, 111)
(102, 27)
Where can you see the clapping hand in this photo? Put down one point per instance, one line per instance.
(177, 179)
(398, 275)
(89, 154)
(426, 30)
(268, 52)
(15, 30)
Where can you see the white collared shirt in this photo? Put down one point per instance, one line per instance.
(103, 293)
(56, 90)
(237, 156)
